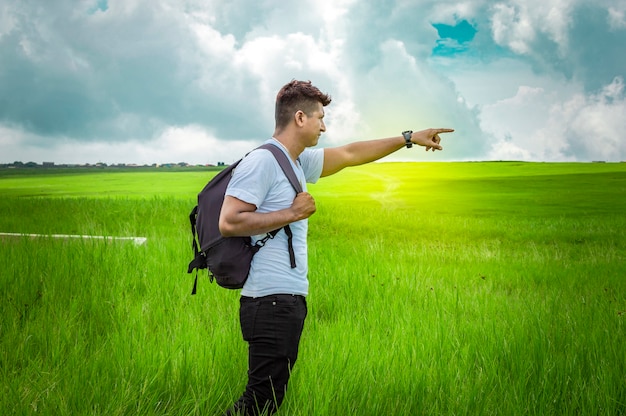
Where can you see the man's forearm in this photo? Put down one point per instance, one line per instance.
(254, 223)
(371, 150)
(239, 218)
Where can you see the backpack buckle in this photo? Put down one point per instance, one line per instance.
(261, 243)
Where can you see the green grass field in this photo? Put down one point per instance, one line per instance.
(436, 288)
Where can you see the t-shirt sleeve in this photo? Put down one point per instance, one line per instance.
(247, 184)
(312, 161)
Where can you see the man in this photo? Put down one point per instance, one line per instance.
(260, 199)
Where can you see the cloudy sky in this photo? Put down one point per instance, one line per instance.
(155, 81)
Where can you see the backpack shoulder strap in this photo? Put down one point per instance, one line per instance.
(285, 165)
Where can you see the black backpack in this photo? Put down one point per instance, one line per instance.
(228, 258)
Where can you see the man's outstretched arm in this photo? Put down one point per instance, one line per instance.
(358, 153)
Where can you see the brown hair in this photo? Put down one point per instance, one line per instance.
(294, 96)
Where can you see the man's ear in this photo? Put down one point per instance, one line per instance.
(299, 118)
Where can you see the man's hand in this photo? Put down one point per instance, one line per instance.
(429, 138)
(303, 206)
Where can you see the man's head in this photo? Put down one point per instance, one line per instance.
(297, 96)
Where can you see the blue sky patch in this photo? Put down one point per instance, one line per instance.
(453, 39)
(101, 5)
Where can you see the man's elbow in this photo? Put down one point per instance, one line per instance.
(226, 229)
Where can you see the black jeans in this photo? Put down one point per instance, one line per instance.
(272, 326)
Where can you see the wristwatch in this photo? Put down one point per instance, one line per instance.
(407, 138)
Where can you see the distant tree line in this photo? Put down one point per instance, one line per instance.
(47, 165)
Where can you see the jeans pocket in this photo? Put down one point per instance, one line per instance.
(247, 318)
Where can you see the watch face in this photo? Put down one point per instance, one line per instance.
(407, 138)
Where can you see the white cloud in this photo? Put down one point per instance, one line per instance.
(451, 12)
(518, 24)
(192, 144)
(595, 125)
(540, 125)
(515, 122)
(511, 27)
(617, 16)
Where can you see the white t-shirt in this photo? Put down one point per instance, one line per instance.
(259, 180)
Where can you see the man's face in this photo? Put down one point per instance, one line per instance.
(314, 125)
